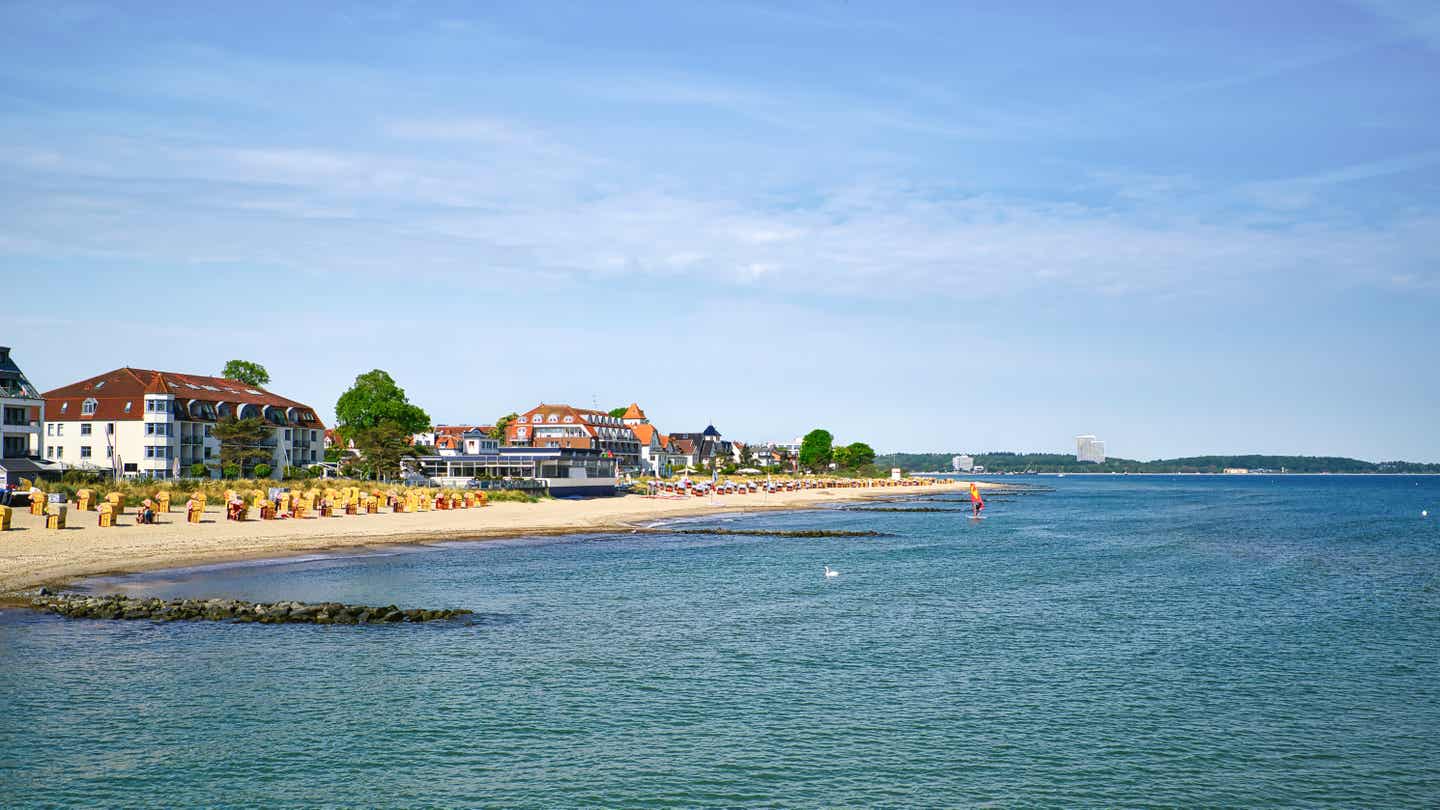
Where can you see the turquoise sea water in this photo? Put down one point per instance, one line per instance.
(1135, 641)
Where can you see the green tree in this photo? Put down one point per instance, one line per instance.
(246, 372)
(382, 448)
(815, 450)
(374, 400)
(242, 442)
(501, 424)
(198, 470)
(857, 454)
(262, 470)
(747, 456)
(618, 412)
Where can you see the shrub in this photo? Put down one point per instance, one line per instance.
(198, 470)
(295, 474)
(230, 471)
(262, 471)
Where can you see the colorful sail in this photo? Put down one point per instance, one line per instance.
(975, 496)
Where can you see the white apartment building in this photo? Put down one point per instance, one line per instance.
(22, 411)
(962, 463)
(136, 422)
(1089, 448)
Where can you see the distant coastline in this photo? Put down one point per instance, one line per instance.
(1008, 462)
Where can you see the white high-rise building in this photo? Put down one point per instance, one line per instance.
(962, 463)
(1089, 448)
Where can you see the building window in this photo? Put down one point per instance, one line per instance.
(85, 451)
(109, 452)
(207, 452)
(127, 407)
(64, 406)
(87, 408)
(49, 428)
(521, 420)
(569, 419)
(287, 434)
(207, 431)
(109, 428)
(520, 433)
(59, 452)
(84, 430)
(59, 428)
(50, 451)
(553, 418)
(312, 435)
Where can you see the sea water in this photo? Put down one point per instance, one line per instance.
(1240, 641)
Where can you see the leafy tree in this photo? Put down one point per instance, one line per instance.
(815, 449)
(262, 470)
(618, 412)
(230, 471)
(856, 454)
(246, 372)
(747, 456)
(333, 454)
(241, 442)
(382, 448)
(198, 470)
(502, 424)
(374, 400)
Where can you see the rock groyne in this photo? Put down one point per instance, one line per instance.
(84, 606)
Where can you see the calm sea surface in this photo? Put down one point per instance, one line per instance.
(1252, 641)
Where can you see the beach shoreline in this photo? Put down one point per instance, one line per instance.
(32, 556)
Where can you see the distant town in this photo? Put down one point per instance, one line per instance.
(141, 423)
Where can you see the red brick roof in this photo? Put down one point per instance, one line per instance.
(634, 412)
(114, 389)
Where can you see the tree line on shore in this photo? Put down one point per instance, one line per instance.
(1005, 462)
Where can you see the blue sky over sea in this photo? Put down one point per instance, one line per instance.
(1184, 228)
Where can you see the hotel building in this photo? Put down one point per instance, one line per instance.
(563, 426)
(22, 411)
(137, 422)
(1089, 448)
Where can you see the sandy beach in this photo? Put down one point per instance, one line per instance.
(31, 555)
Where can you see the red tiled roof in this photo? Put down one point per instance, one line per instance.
(113, 390)
(634, 412)
(645, 433)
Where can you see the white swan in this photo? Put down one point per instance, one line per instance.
(831, 572)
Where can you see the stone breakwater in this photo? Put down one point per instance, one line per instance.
(81, 606)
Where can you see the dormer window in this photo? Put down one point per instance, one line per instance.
(64, 406)
(127, 407)
(569, 419)
(99, 385)
(553, 419)
(87, 408)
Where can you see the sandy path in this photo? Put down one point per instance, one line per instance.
(31, 555)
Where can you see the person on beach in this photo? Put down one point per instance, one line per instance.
(8, 495)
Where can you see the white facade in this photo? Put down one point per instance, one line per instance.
(160, 445)
(1089, 448)
(962, 463)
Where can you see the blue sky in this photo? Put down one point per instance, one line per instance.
(1186, 228)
